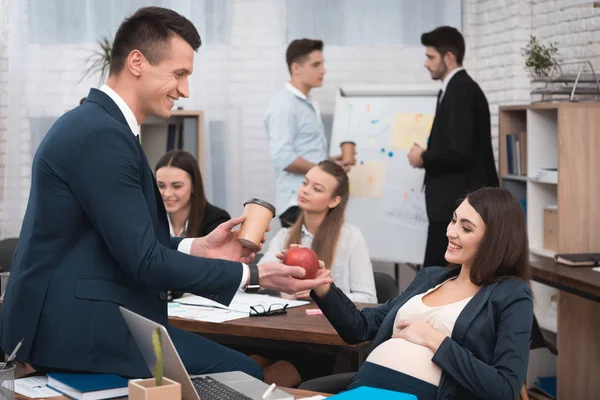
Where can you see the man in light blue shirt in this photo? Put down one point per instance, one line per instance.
(297, 140)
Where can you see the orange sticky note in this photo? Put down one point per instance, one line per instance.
(368, 107)
(370, 179)
(405, 195)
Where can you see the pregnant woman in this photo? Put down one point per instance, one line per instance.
(456, 333)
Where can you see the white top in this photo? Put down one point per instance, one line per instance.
(447, 80)
(413, 359)
(185, 246)
(351, 271)
(172, 231)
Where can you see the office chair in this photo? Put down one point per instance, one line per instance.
(7, 249)
(386, 287)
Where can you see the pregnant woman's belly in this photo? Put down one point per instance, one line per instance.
(408, 358)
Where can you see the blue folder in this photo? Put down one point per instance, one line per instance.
(366, 392)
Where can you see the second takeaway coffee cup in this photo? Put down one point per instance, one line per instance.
(348, 150)
(258, 214)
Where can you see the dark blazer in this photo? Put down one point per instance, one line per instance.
(95, 236)
(487, 355)
(213, 217)
(459, 156)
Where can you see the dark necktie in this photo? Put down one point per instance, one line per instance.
(138, 138)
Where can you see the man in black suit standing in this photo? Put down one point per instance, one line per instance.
(459, 156)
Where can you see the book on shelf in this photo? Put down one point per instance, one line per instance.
(516, 150)
(547, 175)
(578, 259)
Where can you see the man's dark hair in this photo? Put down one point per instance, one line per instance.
(148, 30)
(446, 39)
(299, 50)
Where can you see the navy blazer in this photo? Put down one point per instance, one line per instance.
(487, 355)
(96, 236)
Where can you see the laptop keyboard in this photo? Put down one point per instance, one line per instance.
(211, 389)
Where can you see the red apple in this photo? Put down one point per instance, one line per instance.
(305, 258)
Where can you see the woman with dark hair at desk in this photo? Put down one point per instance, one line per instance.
(180, 184)
(456, 333)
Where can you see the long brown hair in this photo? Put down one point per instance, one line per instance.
(328, 233)
(185, 161)
(504, 249)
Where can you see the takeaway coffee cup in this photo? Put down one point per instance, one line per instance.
(348, 151)
(258, 214)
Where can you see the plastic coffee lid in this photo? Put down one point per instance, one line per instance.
(348, 141)
(262, 203)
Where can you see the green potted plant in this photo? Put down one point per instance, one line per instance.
(99, 61)
(540, 59)
(157, 388)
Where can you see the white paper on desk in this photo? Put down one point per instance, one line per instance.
(34, 387)
(207, 314)
(317, 397)
(241, 301)
(597, 269)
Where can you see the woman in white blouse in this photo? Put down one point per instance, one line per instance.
(322, 199)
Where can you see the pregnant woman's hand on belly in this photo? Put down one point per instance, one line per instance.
(421, 333)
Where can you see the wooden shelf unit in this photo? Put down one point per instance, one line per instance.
(189, 126)
(565, 136)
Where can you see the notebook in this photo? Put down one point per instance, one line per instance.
(578, 259)
(367, 392)
(88, 386)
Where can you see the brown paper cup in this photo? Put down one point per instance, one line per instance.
(258, 214)
(348, 150)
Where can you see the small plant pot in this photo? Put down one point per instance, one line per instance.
(146, 389)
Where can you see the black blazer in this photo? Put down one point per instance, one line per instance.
(459, 156)
(213, 217)
(488, 353)
(96, 236)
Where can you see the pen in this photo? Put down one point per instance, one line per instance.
(12, 356)
(269, 391)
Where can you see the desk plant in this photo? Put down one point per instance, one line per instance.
(157, 388)
(540, 59)
(158, 351)
(99, 60)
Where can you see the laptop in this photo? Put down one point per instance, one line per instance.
(210, 386)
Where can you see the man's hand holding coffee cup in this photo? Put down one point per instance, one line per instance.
(223, 243)
(344, 164)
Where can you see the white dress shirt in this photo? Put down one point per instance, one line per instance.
(351, 268)
(185, 246)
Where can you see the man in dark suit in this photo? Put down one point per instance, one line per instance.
(459, 157)
(95, 234)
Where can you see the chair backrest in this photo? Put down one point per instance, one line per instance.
(7, 249)
(386, 287)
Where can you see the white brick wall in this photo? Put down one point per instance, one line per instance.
(496, 31)
(240, 78)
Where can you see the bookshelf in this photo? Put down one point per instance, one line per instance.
(184, 130)
(561, 198)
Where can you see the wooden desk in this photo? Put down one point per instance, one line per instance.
(297, 393)
(293, 330)
(578, 327)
